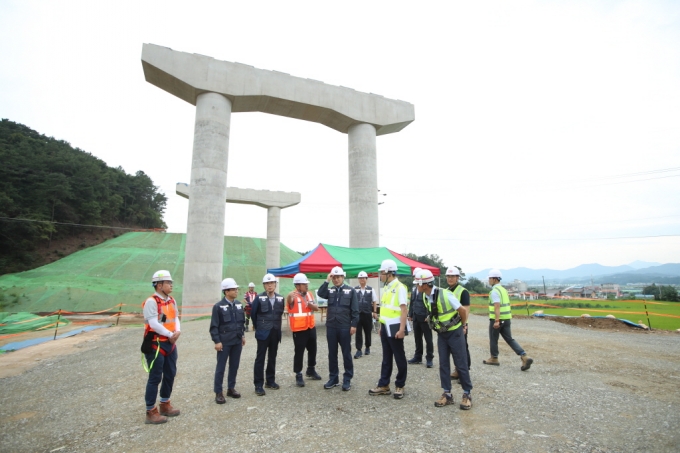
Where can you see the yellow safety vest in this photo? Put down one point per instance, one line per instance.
(445, 311)
(389, 302)
(505, 303)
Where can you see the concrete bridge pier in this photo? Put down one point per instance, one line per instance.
(363, 186)
(273, 237)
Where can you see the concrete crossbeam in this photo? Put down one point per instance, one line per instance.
(249, 89)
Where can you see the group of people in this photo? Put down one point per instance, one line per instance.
(350, 311)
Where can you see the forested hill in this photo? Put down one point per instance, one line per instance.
(45, 179)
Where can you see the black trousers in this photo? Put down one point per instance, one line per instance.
(233, 354)
(420, 329)
(364, 327)
(271, 344)
(453, 343)
(392, 348)
(339, 336)
(305, 339)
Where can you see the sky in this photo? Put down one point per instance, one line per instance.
(547, 133)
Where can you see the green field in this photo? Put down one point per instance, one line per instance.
(662, 315)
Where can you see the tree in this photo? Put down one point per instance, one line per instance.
(652, 290)
(668, 293)
(476, 286)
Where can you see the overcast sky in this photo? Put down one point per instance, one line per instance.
(547, 134)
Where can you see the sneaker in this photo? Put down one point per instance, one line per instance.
(272, 385)
(259, 391)
(415, 361)
(367, 351)
(429, 364)
(219, 398)
(298, 380)
(312, 374)
(445, 400)
(491, 361)
(346, 386)
(398, 393)
(330, 384)
(466, 402)
(526, 362)
(380, 391)
(358, 354)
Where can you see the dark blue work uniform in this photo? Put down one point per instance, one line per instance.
(365, 316)
(342, 314)
(419, 313)
(226, 327)
(266, 319)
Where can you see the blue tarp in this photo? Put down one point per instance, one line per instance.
(34, 341)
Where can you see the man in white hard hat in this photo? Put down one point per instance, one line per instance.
(447, 318)
(463, 295)
(161, 331)
(342, 318)
(418, 314)
(367, 298)
(266, 314)
(248, 300)
(301, 307)
(500, 315)
(393, 313)
(226, 330)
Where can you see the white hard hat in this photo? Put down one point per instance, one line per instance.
(337, 270)
(388, 266)
(362, 274)
(268, 278)
(251, 285)
(300, 279)
(424, 276)
(453, 271)
(229, 283)
(495, 273)
(416, 270)
(161, 276)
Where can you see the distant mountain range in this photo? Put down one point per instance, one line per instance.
(635, 272)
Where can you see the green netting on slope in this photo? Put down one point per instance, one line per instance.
(26, 322)
(119, 271)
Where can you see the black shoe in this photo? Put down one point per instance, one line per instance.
(312, 374)
(346, 386)
(358, 354)
(429, 364)
(298, 380)
(330, 384)
(219, 398)
(272, 385)
(259, 391)
(415, 361)
(367, 351)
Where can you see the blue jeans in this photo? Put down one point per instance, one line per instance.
(503, 331)
(339, 336)
(392, 348)
(233, 354)
(453, 343)
(163, 370)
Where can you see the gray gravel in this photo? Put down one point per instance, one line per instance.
(587, 391)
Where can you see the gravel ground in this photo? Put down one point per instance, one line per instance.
(588, 390)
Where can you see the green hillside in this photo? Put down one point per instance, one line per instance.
(120, 270)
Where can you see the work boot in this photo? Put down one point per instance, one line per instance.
(429, 363)
(167, 409)
(380, 391)
(259, 391)
(298, 380)
(466, 402)
(367, 351)
(330, 384)
(346, 386)
(154, 418)
(491, 361)
(526, 362)
(219, 398)
(454, 375)
(312, 374)
(358, 354)
(272, 385)
(232, 393)
(445, 400)
(415, 361)
(398, 393)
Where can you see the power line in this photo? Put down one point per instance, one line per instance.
(539, 240)
(73, 224)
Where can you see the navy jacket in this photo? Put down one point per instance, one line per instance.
(226, 323)
(343, 306)
(265, 318)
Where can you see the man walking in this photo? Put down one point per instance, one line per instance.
(301, 308)
(266, 314)
(366, 297)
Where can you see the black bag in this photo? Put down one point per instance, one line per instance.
(147, 343)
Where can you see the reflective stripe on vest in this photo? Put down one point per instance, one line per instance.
(167, 308)
(505, 303)
(445, 311)
(300, 316)
(389, 302)
(459, 291)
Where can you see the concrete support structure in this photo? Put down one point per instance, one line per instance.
(273, 201)
(235, 87)
(205, 226)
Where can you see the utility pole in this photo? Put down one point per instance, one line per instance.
(545, 291)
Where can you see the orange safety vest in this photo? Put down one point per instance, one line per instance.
(167, 308)
(300, 316)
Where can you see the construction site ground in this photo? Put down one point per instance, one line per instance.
(591, 388)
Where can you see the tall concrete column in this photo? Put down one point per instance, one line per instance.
(273, 237)
(363, 186)
(205, 226)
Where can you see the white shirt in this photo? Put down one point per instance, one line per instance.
(495, 295)
(453, 300)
